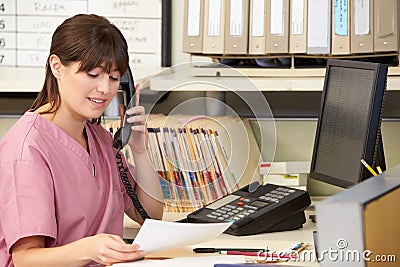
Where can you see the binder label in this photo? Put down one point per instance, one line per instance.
(276, 16)
(193, 28)
(236, 18)
(257, 18)
(214, 17)
(297, 19)
(361, 17)
(341, 10)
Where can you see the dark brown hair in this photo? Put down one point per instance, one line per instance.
(89, 39)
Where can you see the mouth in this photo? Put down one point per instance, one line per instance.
(97, 100)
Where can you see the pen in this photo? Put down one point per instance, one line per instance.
(368, 167)
(213, 250)
(260, 254)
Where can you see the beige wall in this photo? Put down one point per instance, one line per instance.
(295, 140)
(5, 124)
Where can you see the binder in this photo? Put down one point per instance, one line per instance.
(257, 27)
(298, 27)
(193, 26)
(362, 31)
(341, 27)
(214, 27)
(319, 27)
(236, 27)
(386, 25)
(277, 39)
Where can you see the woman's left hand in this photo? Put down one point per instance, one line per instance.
(139, 136)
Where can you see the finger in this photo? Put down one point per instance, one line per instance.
(140, 119)
(121, 110)
(138, 128)
(118, 244)
(136, 110)
(116, 256)
(137, 94)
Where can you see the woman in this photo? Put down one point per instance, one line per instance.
(62, 201)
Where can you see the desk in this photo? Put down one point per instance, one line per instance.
(272, 240)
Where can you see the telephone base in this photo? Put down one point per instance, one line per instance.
(270, 208)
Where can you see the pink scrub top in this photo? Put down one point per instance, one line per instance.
(51, 186)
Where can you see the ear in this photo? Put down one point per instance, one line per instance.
(55, 65)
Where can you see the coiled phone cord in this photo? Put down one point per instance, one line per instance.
(128, 187)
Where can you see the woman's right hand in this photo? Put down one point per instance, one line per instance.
(105, 249)
(109, 249)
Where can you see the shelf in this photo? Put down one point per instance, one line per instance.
(259, 79)
(22, 80)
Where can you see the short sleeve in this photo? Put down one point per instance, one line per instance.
(26, 200)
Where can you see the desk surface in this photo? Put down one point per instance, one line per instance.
(275, 241)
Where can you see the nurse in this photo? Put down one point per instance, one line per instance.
(62, 201)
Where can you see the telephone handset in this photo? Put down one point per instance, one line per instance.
(121, 138)
(123, 134)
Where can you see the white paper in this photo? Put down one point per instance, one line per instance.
(155, 235)
(185, 262)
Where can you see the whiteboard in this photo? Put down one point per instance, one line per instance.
(26, 27)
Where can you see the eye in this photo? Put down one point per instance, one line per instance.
(114, 78)
(92, 75)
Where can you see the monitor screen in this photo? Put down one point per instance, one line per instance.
(348, 128)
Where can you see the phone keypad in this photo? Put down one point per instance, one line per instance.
(244, 207)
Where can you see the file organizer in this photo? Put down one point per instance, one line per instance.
(200, 160)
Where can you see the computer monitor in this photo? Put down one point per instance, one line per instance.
(349, 121)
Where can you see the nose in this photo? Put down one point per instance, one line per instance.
(103, 85)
